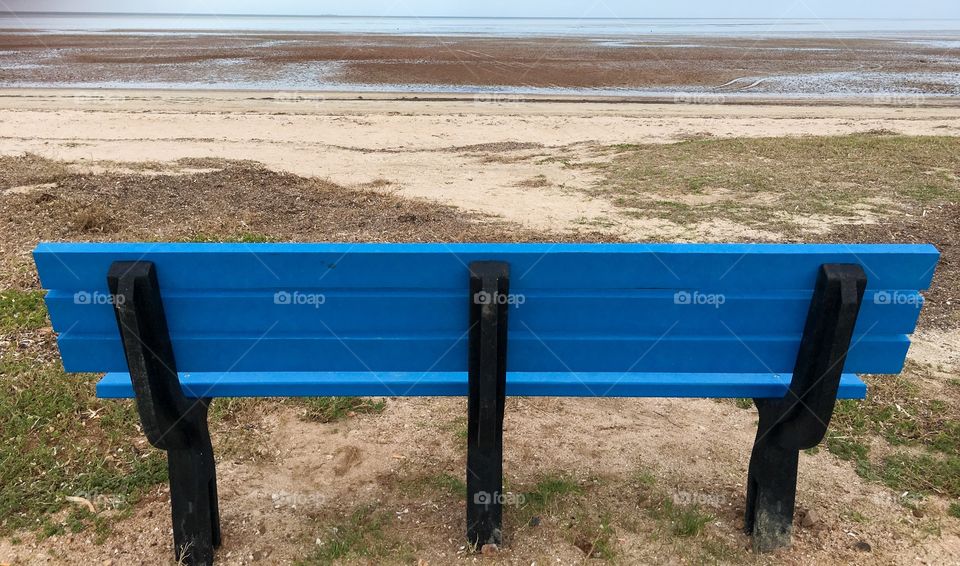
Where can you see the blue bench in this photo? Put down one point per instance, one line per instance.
(176, 325)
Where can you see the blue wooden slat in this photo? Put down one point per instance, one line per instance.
(526, 353)
(411, 313)
(545, 266)
(117, 385)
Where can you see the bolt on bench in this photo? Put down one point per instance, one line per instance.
(177, 325)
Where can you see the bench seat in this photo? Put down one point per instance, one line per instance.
(446, 384)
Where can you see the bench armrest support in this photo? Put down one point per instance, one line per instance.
(800, 420)
(170, 420)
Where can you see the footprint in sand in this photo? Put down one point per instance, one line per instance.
(346, 458)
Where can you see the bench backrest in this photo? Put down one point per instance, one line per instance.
(724, 308)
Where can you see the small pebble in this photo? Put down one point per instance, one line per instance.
(810, 519)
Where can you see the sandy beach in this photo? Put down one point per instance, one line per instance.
(469, 153)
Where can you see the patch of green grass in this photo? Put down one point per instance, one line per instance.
(595, 538)
(360, 536)
(923, 473)
(683, 520)
(548, 491)
(893, 410)
(680, 520)
(421, 485)
(458, 428)
(954, 510)
(947, 440)
(80, 519)
(22, 310)
(233, 409)
(803, 175)
(49, 529)
(333, 409)
(719, 551)
(896, 411)
(853, 450)
(448, 483)
(645, 479)
(58, 440)
(847, 448)
(857, 517)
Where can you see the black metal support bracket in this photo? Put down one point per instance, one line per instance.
(487, 366)
(170, 420)
(799, 421)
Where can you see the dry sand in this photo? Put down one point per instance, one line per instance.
(476, 154)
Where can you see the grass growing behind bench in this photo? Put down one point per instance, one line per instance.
(58, 440)
(923, 433)
(21, 310)
(332, 409)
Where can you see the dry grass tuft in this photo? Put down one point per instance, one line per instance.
(29, 169)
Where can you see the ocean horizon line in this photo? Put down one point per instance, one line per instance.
(448, 17)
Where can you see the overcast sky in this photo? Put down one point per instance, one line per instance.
(543, 8)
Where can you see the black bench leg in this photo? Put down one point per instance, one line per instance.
(489, 288)
(170, 420)
(771, 493)
(193, 497)
(800, 420)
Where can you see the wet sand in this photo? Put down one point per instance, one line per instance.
(901, 69)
